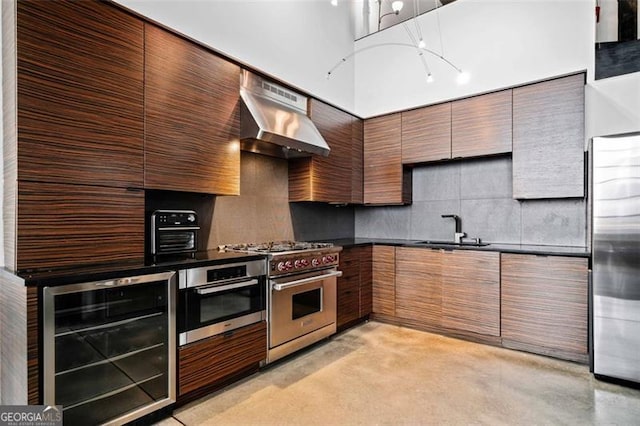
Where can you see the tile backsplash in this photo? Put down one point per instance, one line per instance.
(480, 192)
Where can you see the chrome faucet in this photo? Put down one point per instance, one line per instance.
(458, 235)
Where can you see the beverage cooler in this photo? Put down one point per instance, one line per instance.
(109, 348)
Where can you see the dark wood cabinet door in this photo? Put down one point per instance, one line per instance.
(348, 294)
(355, 296)
(209, 361)
(471, 291)
(192, 117)
(366, 280)
(383, 280)
(545, 305)
(384, 177)
(80, 93)
(548, 139)
(426, 134)
(419, 285)
(326, 179)
(357, 159)
(62, 225)
(481, 125)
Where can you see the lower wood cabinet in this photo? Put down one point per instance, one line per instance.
(449, 290)
(471, 291)
(354, 295)
(419, 285)
(383, 280)
(209, 361)
(545, 305)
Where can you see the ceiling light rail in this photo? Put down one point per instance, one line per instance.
(462, 78)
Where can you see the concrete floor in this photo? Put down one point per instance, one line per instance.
(378, 374)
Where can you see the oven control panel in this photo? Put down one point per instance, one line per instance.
(302, 262)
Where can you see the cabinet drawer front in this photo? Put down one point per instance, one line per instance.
(419, 286)
(544, 301)
(73, 225)
(383, 280)
(205, 362)
(471, 291)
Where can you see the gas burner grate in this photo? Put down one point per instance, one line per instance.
(277, 246)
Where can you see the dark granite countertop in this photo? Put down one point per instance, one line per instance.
(106, 271)
(505, 248)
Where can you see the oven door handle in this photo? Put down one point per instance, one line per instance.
(218, 288)
(179, 228)
(282, 286)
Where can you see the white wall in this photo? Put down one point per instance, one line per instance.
(296, 41)
(501, 43)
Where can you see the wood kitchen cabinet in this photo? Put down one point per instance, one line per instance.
(385, 179)
(545, 305)
(481, 125)
(383, 280)
(61, 225)
(471, 291)
(426, 134)
(357, 161)
(338, 177)
(354, 293)
(206, 363)
(449, 290)
(80, 75)
(192, 117)
(419, 285)
(548, 139)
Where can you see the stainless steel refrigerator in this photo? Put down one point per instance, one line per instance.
(616, 256)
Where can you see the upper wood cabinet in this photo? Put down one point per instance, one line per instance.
(426, 134)
(192, 117)
(357, 161)
(545, 305)
(383, 280)
(471, 291)
(419, 285)
(62, 225)
(338, 177)
(481, 125)
(80, 93)
(548, 139)
(385, 179)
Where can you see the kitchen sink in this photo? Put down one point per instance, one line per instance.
(453, 243)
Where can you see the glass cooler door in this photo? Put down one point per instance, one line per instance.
(109, 348)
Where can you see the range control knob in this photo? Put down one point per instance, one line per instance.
(288, 265)
(324, 259)
(281, 267)
(330, 258)
(315, 262)
(304, 262)
(298, 263)
(191, 218)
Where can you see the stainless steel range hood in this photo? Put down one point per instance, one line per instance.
(274, 121)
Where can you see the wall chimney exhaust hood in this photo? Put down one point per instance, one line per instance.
(274, 121)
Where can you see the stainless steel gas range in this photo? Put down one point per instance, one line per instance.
(301, 293)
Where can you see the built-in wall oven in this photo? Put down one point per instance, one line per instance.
(219, 298)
